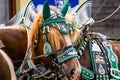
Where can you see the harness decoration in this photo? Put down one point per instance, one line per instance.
(104, 60)
(99, 60)
(114, 71)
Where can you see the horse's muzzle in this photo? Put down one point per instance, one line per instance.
(75, 74)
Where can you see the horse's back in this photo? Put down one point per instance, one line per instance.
(6, 67)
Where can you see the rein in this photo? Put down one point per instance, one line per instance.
(108, 15)
(48, 71)
(50, 21)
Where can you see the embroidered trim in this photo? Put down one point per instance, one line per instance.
(115, 72)
(99, 62)
(68, 54)
(87, 74)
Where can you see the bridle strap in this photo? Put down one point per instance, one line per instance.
(45, 55)
(50, 21)
(68, 54)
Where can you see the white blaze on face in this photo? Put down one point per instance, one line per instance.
(78, 67)
(67, 39)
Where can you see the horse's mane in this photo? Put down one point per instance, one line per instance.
(34, 29)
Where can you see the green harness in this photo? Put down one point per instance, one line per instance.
(113, 60)
(57, 23)
(98, 61)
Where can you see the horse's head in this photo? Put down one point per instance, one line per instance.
(53, 41)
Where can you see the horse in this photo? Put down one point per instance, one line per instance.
(81, 38)
(83, 34)
(15, 40)
(14, 34)
(53, 42)
(85, 60)
(116, 45)
(6, 67)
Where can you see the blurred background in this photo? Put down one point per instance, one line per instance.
(109, 27)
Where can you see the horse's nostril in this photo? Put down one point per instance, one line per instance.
(72, 71)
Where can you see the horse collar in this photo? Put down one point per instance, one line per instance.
(104, 60)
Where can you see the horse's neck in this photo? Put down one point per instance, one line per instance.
(85, 58)
(13, 34)
(15, 41)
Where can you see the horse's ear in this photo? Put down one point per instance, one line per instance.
(64, 9)
(46, 10)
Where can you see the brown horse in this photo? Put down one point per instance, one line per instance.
(53, 42)
(85, 59)
(6, 67)
(15, 40)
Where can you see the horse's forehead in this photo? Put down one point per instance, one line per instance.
(54, 32)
